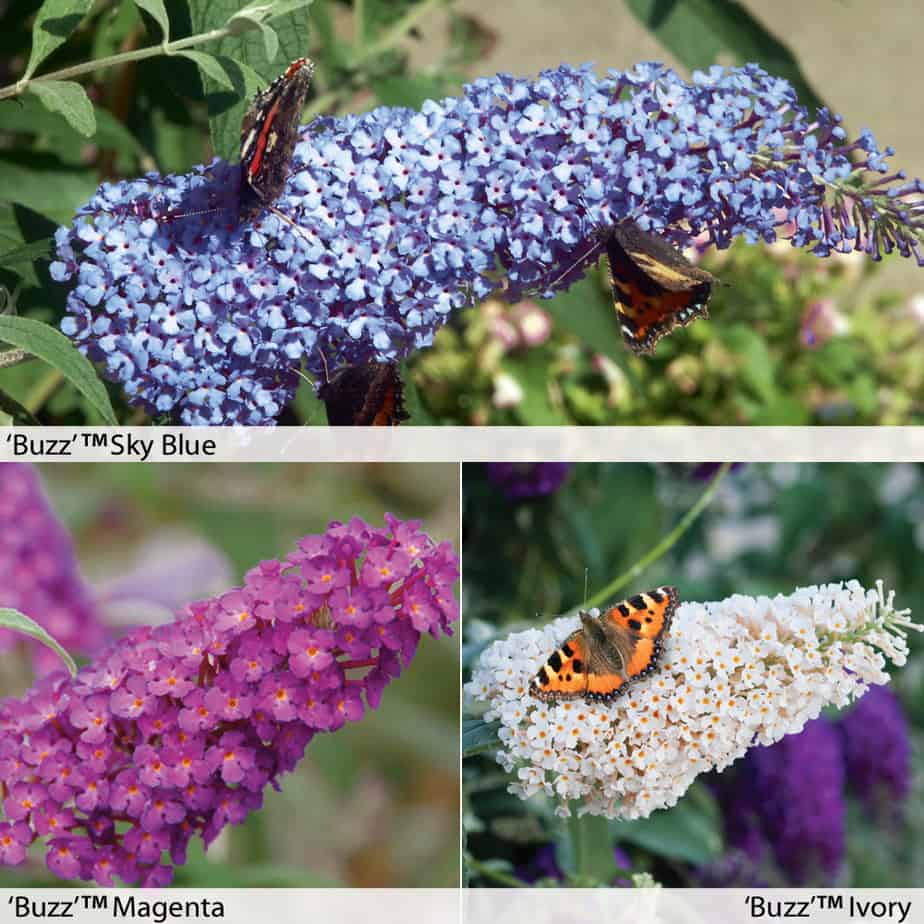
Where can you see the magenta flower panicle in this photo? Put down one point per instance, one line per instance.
(399, 218)
(174, 731)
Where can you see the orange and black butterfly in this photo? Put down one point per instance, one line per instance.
(367, 395)
(609, 651)
(655, 287)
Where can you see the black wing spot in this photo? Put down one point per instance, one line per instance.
(578, 666)
(623, 610)
(567, 649)
(635, 624)
(555, 661)
(637, 602)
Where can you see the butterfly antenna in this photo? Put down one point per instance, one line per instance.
(596, 249)
(324, 364)
(283, 217)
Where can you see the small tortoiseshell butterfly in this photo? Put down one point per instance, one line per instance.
(368, 395)
(655, 287)
(609, 651)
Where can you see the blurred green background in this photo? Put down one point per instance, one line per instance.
(792, 339)
(377, 803)
(769, 529)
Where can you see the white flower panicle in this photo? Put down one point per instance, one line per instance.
(733, 674)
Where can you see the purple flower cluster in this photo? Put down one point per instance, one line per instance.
(38, 571)
(175, 731)
(877, 752)
(789, 798)
(399, 217)
(523, 480)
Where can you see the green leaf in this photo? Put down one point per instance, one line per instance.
(158, 11)
(756, 362)
(55, 21)
(70, 99)
(12, 413)
(270, 39)
(584, 310)
(27, 253)
(531, 371)
(55, 349)
(210, 66)
(689, 832)
(479, 736)
(19, 622)
(700, 31)
(585, 849)
(243, 57)
(46, 187)
(417, 411)
(29, 116)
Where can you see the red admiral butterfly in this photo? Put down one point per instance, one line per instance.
(268, 135)
(370, 395)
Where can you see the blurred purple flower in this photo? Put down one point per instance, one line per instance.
(821, 321)
(877, 752)
(790, 796)
(39, 575)
(174, 731)
(522, 480)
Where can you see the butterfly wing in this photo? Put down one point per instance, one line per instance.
(599, 660)
(268, 134)
(636, 628)
(655, 288)
(368, 395)
(564, 675)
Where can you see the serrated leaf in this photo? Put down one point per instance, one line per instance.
(700, 31)
(243, 56)
(157, 10)
(479, 736)
(19, 622)
(54, 348)
(267, 12)
(209, 65)
(270, 39)
(55, 21)
(12, 413)
(70, 99)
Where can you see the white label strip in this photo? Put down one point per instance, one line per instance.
(454, 444)
(233, 906)
(691, 906)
